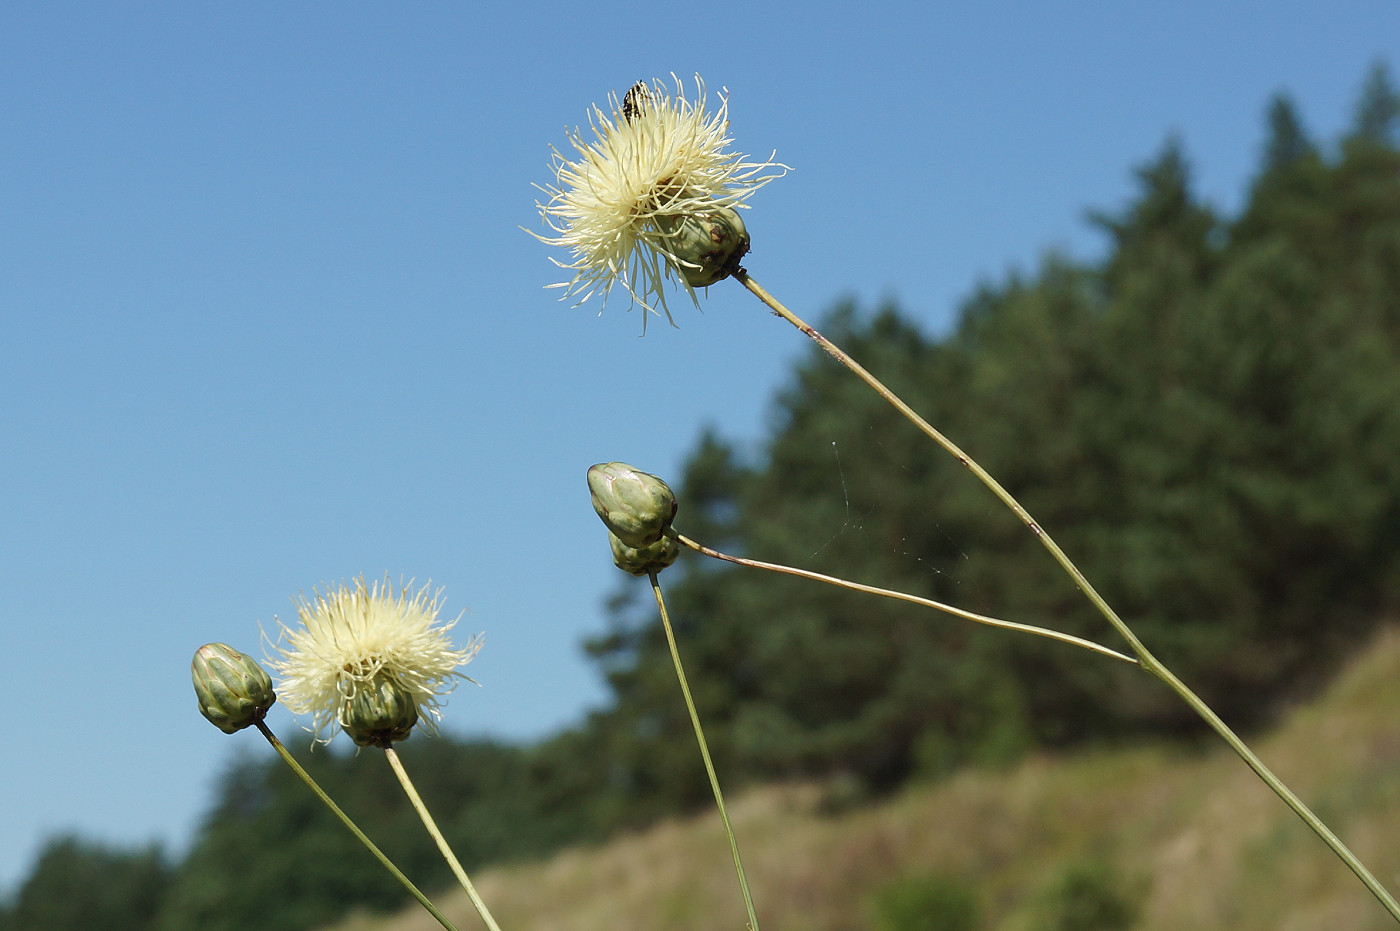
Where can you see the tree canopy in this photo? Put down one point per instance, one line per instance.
(1206, 420)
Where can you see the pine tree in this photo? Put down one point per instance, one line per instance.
(1165, 232)
(1288, 141)
(1378, 109)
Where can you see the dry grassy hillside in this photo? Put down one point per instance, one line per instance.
(1194, 841)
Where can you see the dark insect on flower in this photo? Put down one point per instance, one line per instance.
(634, 99)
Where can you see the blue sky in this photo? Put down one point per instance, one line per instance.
(270, 321)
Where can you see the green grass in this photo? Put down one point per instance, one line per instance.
(1158, 836)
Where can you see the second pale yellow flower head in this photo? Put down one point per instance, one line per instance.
(359, 641)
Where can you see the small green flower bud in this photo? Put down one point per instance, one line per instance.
(380, 712)
(710, 244)
(642, 560)
(636, 506)
(233, 690)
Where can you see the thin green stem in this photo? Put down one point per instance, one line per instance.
(441, 841)
(1152, 665)
(1149, 663)
(354, 828)
(704, 751)
(912, 599)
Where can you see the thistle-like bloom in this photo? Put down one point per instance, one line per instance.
(367, 639)
(651, 197)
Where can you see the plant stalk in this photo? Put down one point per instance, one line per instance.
(1149, 662)
(912, 599)
(441, 841)
(704, 751)
(354, 828)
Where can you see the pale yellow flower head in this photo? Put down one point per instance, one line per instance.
(353, 636)
(654, 159)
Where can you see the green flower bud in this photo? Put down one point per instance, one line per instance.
(710, 244)
(380, 712)
(233, 690)
(636, 506)
(643, 560)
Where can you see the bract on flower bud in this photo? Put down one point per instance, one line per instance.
(233, 690)
(709, 243)
(643, 560)
(637, 506)
(380, 712)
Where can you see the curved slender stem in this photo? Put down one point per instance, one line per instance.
(354, 828)
(912, 599)
(441, 841)
(839, 354)
(704, 751)
(1149, 662)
